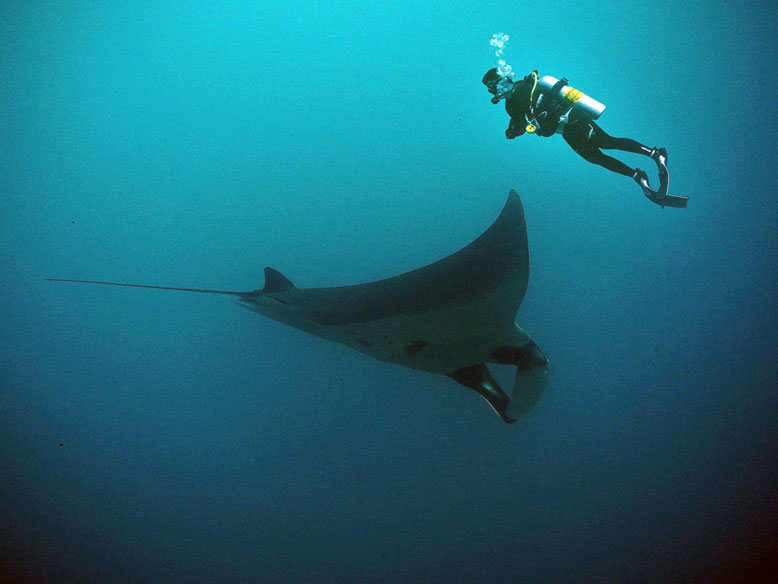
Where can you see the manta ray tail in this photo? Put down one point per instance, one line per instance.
(201, 290)
(275, 281)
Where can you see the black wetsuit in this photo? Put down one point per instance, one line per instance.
(517, 105)
(586, 138)
(580, 132)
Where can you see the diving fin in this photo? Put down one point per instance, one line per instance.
(665, 200)
(660, 196)
(659, 155)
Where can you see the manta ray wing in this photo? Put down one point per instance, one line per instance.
(497, 262)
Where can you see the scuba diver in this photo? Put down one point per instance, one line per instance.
(546, 106)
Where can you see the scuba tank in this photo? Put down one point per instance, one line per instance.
(556, 100)
(577, 99)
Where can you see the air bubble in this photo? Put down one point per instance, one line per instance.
(498, 41)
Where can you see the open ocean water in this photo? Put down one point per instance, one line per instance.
(151, 436)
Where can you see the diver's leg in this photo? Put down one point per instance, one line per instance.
(586, 138)
(608, 142)
(626, 145)
(595, 156)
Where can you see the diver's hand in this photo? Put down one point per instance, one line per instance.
(514, 129)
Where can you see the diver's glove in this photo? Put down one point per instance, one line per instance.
(514, 130)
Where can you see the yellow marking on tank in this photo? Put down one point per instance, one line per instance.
(572, 95)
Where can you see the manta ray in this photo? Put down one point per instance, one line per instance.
(451, 317)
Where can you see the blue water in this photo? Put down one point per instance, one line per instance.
(150, 436)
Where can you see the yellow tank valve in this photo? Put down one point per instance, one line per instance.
(531, 128)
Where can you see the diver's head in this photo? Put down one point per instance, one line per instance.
(496, 84)
(491, 79)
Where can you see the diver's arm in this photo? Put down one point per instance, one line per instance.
(515, 128)
(516, 108)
